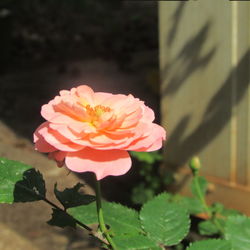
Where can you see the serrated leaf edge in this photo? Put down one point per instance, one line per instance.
(184, 209)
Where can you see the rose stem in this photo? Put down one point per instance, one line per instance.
(102, 225)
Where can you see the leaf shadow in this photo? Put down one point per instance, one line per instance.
(216, 116)
(188, 60)
(30, 188)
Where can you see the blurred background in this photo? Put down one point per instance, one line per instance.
(188, 60)
(50, 45)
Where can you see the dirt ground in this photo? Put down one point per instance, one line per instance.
(23, 226)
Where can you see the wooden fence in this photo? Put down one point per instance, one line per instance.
(205, 72)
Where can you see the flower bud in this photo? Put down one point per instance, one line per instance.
(195, 164)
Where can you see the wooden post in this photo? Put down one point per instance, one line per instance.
(205, 73)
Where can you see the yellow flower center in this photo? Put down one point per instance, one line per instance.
(96, 112)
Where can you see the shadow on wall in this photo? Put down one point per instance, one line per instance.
(188, 61)
(176, 18)
(216, 116)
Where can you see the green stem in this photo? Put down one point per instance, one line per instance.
(102, 225)
(201, 197)
(203, 201)
(218, 225)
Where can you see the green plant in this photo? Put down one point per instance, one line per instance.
(162, 221)
(151, 182)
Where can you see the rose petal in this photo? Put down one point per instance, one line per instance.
(101, 97)
(40, 144)
(58, 156)
(101, 162)
(155, 146)
(58, 141)
(147, 142)
(95, 129)
(148, 115)
(86, 94)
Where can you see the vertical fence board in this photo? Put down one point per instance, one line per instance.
(243, 108)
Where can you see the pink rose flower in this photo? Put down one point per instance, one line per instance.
(92, 131)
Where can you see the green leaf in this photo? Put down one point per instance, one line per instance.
(217, 207)
(207, 228)
(135, 242)
(230, 212)
(122, 220)
(202, 183)
(213, 244)
(71, 197)
(147, 157)
(166, 223)
(222, 211)
(61, 219)
(20, 182)
(193, 205)
(237, 230)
